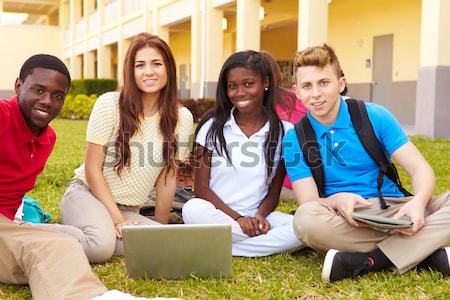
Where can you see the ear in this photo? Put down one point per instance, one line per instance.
(294, 90)
(18, 85)
(342, 84)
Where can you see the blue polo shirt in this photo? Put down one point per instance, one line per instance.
(347, 166)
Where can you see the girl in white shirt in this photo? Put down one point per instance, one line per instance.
(239, 171)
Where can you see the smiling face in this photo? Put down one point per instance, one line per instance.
(150, 71)
(245, 89)
(41, 97)
(318, 88)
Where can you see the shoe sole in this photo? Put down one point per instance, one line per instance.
(447, 250)
(328, 264)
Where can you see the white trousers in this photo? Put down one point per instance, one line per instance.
(280, 238)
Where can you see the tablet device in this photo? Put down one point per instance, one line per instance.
(381, 222)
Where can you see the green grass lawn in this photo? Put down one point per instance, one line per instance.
(296, 276)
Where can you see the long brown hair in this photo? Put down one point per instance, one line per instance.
(131, 107)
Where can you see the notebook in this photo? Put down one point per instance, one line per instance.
(177, 251)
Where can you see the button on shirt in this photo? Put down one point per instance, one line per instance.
(241, 184)
(347, 166)
(22, 156)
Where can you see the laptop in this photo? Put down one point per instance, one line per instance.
(177, 251)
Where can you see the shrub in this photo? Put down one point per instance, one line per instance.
(78, 107)
(92, 86)
(198, 107)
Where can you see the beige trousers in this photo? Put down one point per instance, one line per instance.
(52, 263)
(81, 209)
(321, 228)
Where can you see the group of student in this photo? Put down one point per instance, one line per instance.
(243, 147)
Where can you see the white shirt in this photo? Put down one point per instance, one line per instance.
(241, 184)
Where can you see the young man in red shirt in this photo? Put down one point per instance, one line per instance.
(51, 262)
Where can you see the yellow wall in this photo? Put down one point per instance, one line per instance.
(280, 42)
(229, 38)
(180, 43)
(353, 25)
(21, 42)
(229, 44)
(277, 11)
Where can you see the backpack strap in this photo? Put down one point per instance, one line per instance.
(367, 137)
(311, 152)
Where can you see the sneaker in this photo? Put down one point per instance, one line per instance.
(439, 260)
(340, 265)
(118, 295)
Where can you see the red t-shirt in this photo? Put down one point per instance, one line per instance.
(22, 156)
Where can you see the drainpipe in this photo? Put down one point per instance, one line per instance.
(203, 50)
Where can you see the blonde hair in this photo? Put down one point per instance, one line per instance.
(318, 56)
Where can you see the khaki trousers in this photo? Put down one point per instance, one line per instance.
(321, 228)
(52, 263)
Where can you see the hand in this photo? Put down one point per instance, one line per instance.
(415, 210)
(264, 225)
(344, 204)
(119, 226)
(249, 225)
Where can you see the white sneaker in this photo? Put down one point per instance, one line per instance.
(118, 295)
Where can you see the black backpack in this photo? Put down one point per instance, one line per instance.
(367, 137)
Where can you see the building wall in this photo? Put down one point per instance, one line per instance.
(352, 27)
(181, 49)
(21, 42)
(280, 42)
(229, 38)
(353, 24)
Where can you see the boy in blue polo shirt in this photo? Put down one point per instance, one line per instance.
(326, 223)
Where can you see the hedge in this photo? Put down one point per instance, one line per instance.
(80, 106)
(198, 107)
(92, 86)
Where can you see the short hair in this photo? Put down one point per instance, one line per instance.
(318, 56)
(45, 61)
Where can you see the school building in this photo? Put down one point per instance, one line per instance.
(393, 52)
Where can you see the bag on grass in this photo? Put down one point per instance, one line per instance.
(182, 195)
(32, 211)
